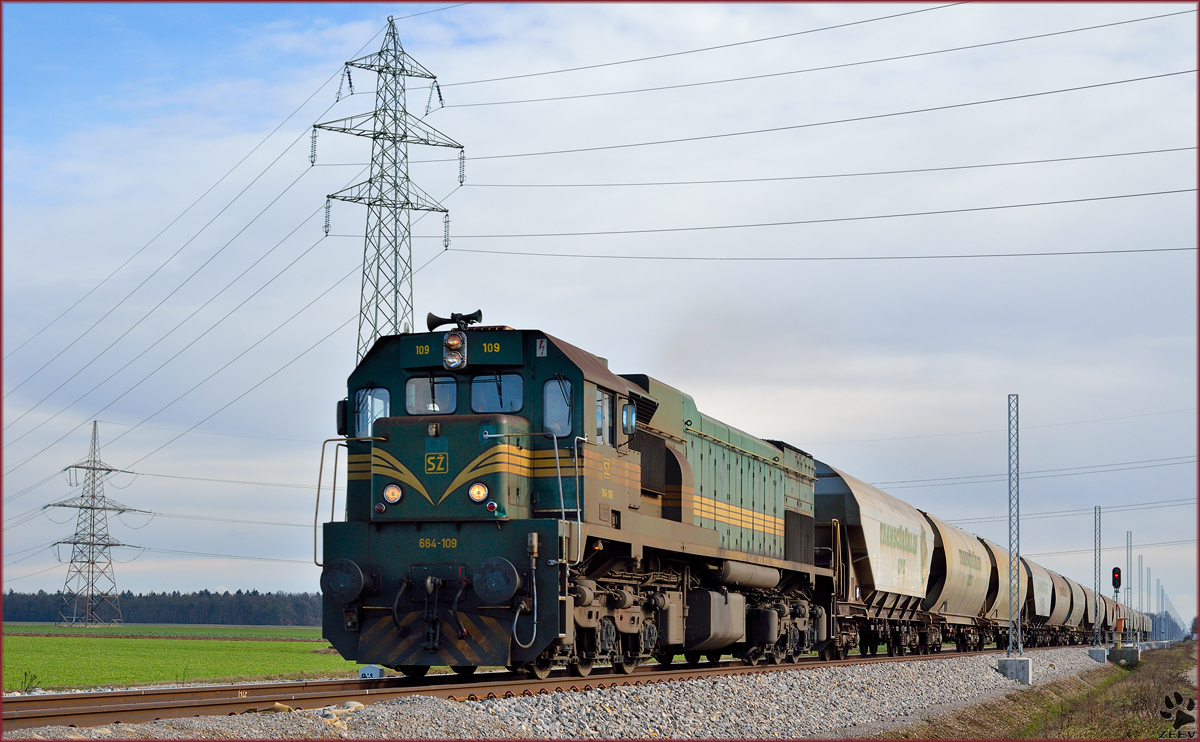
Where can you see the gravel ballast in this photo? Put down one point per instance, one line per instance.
(787, 704)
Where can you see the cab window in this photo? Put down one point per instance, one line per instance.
(556, 407)
(431, 395)
(497, 393)
(369, 406)
(604, 418)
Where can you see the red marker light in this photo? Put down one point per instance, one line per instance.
(380, 507)
(491, 506)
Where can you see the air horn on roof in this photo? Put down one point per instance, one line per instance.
(462, 320)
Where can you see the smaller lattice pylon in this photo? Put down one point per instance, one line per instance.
(90, 593)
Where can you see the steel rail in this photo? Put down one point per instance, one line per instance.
(136, 706)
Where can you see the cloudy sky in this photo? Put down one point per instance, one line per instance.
(753, 203)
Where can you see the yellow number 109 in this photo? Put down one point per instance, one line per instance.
(491, 347)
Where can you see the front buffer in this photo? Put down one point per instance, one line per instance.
(412, 595)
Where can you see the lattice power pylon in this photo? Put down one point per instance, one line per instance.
(386, 305)
(90, 593)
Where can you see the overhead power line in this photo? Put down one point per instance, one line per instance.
(1113, 548)
(210, 376)
(414, 15)
(277, 371)
(223, 435)
(181, 516)
(823, 68)
(177, 353)
(170, 332)
(1082, 511)
(184, 213)
(31, 574)
(154, 273)
(999, 430)
(702, 49)
(180, 552)
(830, 122)
(1036, 471)
(796, 222)
(1001, 478)
(321, 87)
(819, 257)
(825, 176)
(224, 481)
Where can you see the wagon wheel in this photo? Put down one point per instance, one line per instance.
(665, 658)
(539, 669)
(751, 658)
(841, 653)
(413, 671)
(713, 657)
(581, 668)
(692, 658)
(623, 666)
(464, 670)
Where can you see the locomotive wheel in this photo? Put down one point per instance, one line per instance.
(539, 669)
(623, 666)
(772, 658)
(580, 669)
(413, 671)
(841, 652)
(692, 658)
(464, 670)
(751, 659)
(713, 658)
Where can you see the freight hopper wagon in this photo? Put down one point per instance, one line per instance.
(910, 581)
(512, 502)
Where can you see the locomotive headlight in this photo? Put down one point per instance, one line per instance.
(453, 360)
(454, 341)
(478, 492)
(392, 493)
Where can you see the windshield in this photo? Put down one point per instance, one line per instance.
(431, 395)
(497, 393)
(369, 405)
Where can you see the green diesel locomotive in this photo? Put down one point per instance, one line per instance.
(512, 502)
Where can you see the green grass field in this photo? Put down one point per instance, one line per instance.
(70, 662)
(169, 629)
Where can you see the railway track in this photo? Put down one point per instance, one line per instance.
(136, 706)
